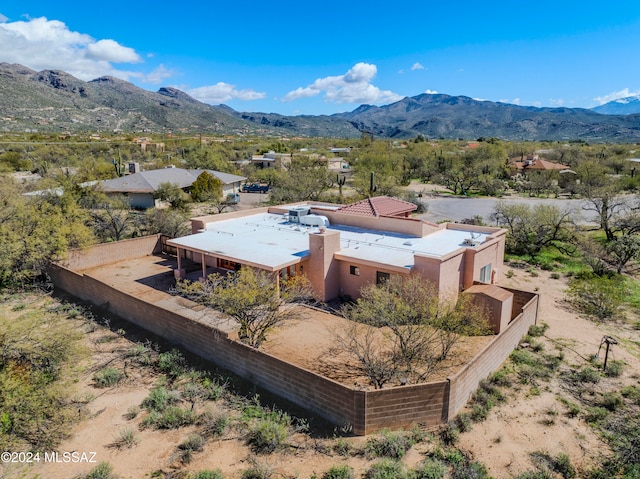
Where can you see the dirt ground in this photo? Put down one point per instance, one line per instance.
(525, 423)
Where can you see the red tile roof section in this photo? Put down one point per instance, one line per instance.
(379, 206)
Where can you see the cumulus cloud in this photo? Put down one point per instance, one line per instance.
(223, 92)
(352, 87)
(158, 75)
(417, 66)
(43, 44)
(3, 18)
(556, 101)
(112, 51)
(515, 101)
(615, 95)
(431, 92)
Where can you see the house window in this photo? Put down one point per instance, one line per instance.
(226, 264)
(485, 274)
(382, 277)
(354, 270)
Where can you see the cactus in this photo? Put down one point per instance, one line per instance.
(372, 184)
(341, 182)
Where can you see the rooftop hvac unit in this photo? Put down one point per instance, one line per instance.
(298, 212)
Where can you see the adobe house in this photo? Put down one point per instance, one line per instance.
(340, 251)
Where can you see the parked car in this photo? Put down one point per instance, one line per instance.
(232, 199)
(255, 188)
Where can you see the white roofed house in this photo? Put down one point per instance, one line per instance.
(342, 249)
(141, 187)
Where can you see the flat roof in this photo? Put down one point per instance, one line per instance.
(269, 241)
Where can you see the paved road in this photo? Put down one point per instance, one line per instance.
(455, 209)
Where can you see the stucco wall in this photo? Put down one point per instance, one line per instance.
(466, 381)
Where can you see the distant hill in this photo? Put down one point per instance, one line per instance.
(622, 106)
(439, 115)
(53, 100)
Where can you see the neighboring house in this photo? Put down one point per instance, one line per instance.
(380, 206)
(271, 160)
(337, 164)
(342, 249)
(141, 187)
(533, 162)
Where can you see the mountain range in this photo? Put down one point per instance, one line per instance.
(55, 101)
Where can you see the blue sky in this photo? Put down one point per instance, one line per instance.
(327, 57)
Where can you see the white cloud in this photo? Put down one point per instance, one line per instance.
(352, 87)
(615, 95)
(43, 44)
(417, 66)
(3, 18)
(515, 101)
(431, 92)
(223, 92)
(556, 101)
(158, 75)
(112, 51)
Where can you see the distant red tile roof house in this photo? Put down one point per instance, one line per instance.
(379, 206)
(534, 162)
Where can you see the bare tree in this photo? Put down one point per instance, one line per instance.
(252, 298)
(418, 328)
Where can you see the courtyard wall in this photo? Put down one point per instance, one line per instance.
(204, 332)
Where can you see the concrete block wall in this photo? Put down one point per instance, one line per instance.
(170, 320)
(107, 253)
(186, 324)
(466, 381)
(425, 405)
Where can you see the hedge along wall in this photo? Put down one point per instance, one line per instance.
(202, 332)
(466, 381)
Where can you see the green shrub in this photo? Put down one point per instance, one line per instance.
(207, 474)
(614, 368)
(125, 439)
(386, 469)
(159, 399)
(339, 472)
(596, 414)
(632, 393)
(267, 436)
(193, 443)
(537, 330)
(562, 465)
(611, 401)
(257, 471)
(172, 363)
(450, 434)
(469, 470)
(429, 469)
(107, 377)
(389, 444)
(213, 424)
(342, 447)
(539, 474)
(104, 470)
(587, 375)
(479, 412)
(172, 417)
(599, 297)
(464, 422)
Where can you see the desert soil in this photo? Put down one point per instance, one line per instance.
(525, 423)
